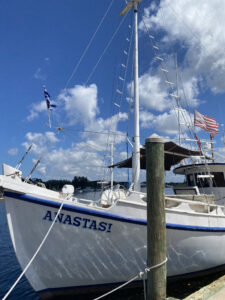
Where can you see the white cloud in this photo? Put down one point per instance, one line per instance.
(190, 92)
(77, 160)
(80, 103)
(166, 122)
(13, 151)
(50, 137)
(105, 131)
(41, 142)
(198, 26)
(39, 74)
(152, 93)
(36, 108)
(85, 158)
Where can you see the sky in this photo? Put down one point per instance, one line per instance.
(81, 51)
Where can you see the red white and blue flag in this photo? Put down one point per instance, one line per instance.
(206, 123)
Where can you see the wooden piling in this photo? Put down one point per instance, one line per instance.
(156, 224)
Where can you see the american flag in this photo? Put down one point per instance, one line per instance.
(206, 123)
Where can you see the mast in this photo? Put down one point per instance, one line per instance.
(111, 169)
(178, 102)
(136, 148)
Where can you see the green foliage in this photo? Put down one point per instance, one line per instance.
(77, 182)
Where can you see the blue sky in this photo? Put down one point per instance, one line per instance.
(43, 41)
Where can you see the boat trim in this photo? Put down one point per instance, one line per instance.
(108, 215)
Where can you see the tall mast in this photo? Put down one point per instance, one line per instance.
(136, 149)
(111, 162)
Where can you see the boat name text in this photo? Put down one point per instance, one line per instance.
(78, 221)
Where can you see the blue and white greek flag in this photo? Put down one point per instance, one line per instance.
(50, 105)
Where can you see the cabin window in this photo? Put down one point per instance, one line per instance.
(218, 180)
(202, 182)
(190, 180)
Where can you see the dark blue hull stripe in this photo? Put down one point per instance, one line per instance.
(106, 215)
(99, 286)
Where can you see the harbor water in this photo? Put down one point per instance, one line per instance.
(9, 267)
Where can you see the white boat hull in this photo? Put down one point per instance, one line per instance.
(90, 247)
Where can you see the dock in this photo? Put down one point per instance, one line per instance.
(212, 291)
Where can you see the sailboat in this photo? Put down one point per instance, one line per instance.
(87, 245)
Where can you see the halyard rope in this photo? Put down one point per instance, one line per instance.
(139, 275)
(88, 45)
(35, 254)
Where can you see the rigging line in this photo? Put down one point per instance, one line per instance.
(188, 108)
(188, 111)
(113, 108)
(164, 73)
(129, 116)
(161, 64)
(130, 94)
(162, 67)
(88, 46)
(89, 145)
(184, 117)
(94, 132)
(125, 75)
(185, 98)
(104, 51)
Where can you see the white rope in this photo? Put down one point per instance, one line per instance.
(140, 275)
(156, 266)
(119, 287)
(88, 45)
(35, 254)
(104, 51)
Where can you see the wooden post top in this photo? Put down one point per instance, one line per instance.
(154, 138)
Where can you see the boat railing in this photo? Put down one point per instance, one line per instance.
(82, 200)
(199, 206)
(137, 192)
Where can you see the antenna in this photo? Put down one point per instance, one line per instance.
(20, 162)
(32, 171)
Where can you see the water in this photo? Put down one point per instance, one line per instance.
(9, 267)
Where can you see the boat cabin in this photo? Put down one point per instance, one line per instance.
(205, 178)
